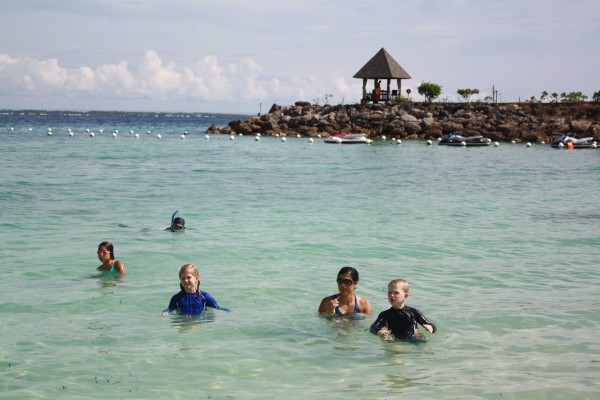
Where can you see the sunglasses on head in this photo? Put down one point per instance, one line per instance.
(343, 281)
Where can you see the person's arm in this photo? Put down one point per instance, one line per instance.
(364, 306)
(120, 268)
(172, 306)
(328, 305)
(379, 327)
(211, 302)
(424, 322)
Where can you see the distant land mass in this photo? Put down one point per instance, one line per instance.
(518, 122)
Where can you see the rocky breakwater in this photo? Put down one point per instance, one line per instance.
(519, 122)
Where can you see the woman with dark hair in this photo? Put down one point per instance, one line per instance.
(109, 265)
(346, 302)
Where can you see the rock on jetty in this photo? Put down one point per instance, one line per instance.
(519, 122)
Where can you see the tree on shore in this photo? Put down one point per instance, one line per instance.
(467, 93)
(573, 97)
(429, 90)
(596, 96)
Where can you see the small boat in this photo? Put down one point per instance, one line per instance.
(454, 139)
(583, 143)
(347, 138)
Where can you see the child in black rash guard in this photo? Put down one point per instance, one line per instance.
(400, 320)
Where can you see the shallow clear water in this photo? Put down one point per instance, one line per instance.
(501, 247)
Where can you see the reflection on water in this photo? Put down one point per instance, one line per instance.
(191, 323)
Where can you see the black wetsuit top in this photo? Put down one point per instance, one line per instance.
(402, 322)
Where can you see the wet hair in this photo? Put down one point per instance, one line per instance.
(177, 224)
(349, 270)
(403, 283)
(107, 246)
(191, 268)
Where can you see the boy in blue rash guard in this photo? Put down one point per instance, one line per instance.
(400, 320)
(190, 300)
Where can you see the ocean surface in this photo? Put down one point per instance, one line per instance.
(501, 246)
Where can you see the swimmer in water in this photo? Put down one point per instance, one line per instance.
(191, 300)
(346, 302)
(109, 265)
(177, 223)
(400, 321)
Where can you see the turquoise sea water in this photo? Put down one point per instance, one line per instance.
(501, 247)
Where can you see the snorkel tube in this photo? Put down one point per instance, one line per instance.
(173, 216)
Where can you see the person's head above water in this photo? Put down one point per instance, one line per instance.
(177, 223)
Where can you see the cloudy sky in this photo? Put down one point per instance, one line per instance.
(243, 56)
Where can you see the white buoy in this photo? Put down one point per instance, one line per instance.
(88, 130)
(92, 134)
(148, 132)
(116, 131)
(101, 130)
(561, 145)
(399, 141)
(206, 137)
(277, 135)
(49, 133)
(298, 136)
(137, 136)
(542, 142)
(463, 143)
(496, 144)
(337, 140)
(114, 135)
(383, 138)
(369, 141)
(439, 139)
(528, 144)
(182, 137)
(30, 129)
(258, 134)
(256, 138)
(131, 132)
(319, 135)
(429, 143)
(311, 140)
(594, 145)
(70, 134)
(240, 134)
(513, 142)
(159, 136)
(393, 140)
(283, 139)
(231, 137)
(12, 128)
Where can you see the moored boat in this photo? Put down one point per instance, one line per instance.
(454, 139)
(347, 138)
(582, 143)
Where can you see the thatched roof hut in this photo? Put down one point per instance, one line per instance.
(381, 66)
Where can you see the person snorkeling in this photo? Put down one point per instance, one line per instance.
(177, 223)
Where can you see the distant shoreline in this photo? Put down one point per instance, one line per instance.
(518, 122)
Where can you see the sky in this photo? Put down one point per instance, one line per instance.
(235, 56)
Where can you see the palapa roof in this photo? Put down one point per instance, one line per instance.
(383, 66)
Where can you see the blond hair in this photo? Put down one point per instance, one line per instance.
(403, 283)
(189, 268)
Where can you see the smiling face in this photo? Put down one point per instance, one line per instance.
(189, 281)
(396, 295)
